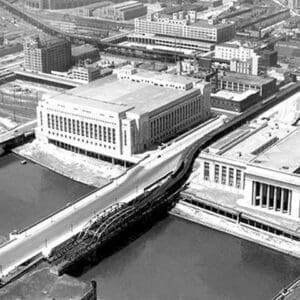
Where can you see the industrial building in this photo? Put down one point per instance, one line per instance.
(171, 42)
(234, 101)
(83, 52)
(88, 73)
(124, 114)
(180, 26)
(56, 4)
(234, 50)
(121, 11)
(259, 161)
(88, 10)
(47, 54)
(241, 82)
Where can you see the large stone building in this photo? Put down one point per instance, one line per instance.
(180, 26)
(123, 114)
(46, 55)
(259, 161)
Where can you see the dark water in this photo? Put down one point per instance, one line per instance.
(30, 192)
(174, 260)
(177, 259)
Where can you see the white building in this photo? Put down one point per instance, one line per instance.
(209, 31)
(123, 114)
(259, 161)
(86, 74)
(229, 51)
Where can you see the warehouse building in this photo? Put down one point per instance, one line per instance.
(56, 4)
(241, 82)
(124, 114)
(121, 11)
(234, 101)
(83, 52)
(163, 41)
(47, 54)
(181, 27)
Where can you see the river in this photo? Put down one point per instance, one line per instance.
(29, 192)
(174, 260)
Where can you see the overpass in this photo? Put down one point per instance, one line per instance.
(17, 134)
(46, 78)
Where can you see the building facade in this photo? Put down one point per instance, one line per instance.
(253, 163)
(85, 52)
(123, 114)
(122, 11)
(150, 39)
(56, 4)
(46, 55)
(209, 31)
(229, 51)
(242, 82)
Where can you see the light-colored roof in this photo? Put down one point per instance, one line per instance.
(247, 79)
(234, 96)
(86, 48)
(251, 144)
(111, 94)
(283, 156)
(172, 39)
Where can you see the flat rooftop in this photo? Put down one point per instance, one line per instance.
(79, 50)
(171, 39)
(234, 96)
(111, 94)
(283, 156)
(249, 142)
(205, 24)
(247, 79)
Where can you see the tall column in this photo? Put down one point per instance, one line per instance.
(254, 192)
(268, 196)
(275, 197)
(260, 194)
(282, 200)
(289, 202)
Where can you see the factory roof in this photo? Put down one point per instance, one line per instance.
(246, 79)
(177, 40)
(95, 5)
(111, 94)
(206, 24)
(86, 48)
(234, 96)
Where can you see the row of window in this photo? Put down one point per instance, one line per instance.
(224, 175)
(271, 197)
(165, 123)
(80, 128)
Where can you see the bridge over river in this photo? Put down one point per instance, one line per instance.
(47, 234)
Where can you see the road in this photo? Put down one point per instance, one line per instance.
(62, 226)
(19, 130)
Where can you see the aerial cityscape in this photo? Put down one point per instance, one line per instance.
(149, 149)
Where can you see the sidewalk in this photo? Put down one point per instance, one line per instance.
(81, 168)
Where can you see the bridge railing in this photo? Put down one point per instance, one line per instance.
(70, 204)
